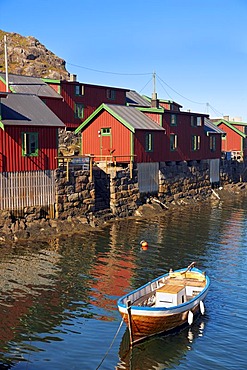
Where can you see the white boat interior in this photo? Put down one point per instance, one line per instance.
(169, 291)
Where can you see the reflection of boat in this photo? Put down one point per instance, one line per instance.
(159, 352)
(165, 303)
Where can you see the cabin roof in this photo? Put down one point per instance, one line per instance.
(76, 82)
(30, 85)
(211, 128)
(130, 117)
(163, 101)
(27, 110)
(231, 126)
(135, 99)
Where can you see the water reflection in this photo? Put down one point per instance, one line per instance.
(160, 352)
(63, 295)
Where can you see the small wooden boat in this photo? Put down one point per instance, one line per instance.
(165, 303)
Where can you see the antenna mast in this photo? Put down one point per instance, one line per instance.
(6, 62)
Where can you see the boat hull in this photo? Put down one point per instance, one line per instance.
(145, 326)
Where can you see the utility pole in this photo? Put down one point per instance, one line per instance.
(154, 95)
(6, 62)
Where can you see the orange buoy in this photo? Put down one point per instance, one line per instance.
(144, 245)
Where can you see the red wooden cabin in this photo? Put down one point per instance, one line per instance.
(189, 136)
(234, 141)
(123, 132)
(80, 100)
(28, 151)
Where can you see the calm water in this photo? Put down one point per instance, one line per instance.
(58, 302)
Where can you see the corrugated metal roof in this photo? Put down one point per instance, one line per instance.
(211, 128)
(25, 109)
(30, 85)
(133, 98)
(133, 117)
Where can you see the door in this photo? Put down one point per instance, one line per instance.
(105, 141)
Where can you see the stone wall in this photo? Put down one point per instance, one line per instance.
(124, 193)
(190, 181)
(75, 194)
(232, 171)
(109, 195)
(116, 194)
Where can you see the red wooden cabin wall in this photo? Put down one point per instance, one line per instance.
(158, 153)
(11, 159)
(91, 139)
(232, 141)
(92, 98)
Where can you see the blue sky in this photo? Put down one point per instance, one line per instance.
(197, 48)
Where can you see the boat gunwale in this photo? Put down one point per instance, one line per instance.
(123, 306)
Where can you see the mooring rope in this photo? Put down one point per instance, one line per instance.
(115, 336)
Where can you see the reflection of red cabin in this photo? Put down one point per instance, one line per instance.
(114, 282)
(122, 131)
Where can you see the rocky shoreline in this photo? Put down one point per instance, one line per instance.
(30, 231)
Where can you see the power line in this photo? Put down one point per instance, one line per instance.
(179, 93)
(215, 110)
(164, 89)
(108, 72)
(146, 84)
(147, 74)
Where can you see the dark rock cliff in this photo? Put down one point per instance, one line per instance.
(27, 56)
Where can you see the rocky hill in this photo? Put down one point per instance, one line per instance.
(27, 56)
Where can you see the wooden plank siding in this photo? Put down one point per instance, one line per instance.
(233, 141)
(120, 137)
(92, 97)
(158, 152)
(184, 131)
(11, 158)
(212, 154)
(24, 189)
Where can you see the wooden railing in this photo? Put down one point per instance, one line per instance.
(86, 162)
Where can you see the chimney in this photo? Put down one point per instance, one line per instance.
(154, 100)
(237, 119)
(72, 78)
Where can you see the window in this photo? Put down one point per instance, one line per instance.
(149, 142)
(173, 120)
(195, 143)
(106, 131)
(111, 94)
(79, 90)
(173, 141)
(79, 110)
(196, 121)
(29, 144)
(212, 143)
